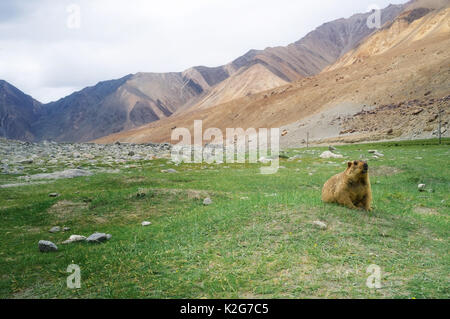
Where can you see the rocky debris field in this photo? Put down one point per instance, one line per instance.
(415, 119)
(26, 162)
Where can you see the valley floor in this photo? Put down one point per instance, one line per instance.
(256, 240)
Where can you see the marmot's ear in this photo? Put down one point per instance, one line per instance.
(349, 164)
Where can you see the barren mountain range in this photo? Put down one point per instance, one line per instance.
(391, 85)
(118, 106)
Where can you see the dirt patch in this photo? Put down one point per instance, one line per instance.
(65, 210)
(100, 220)
(135, 180)
(34, 292)
(425, 211)
(384, 171)
(190, 193)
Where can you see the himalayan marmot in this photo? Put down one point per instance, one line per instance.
(350, 188)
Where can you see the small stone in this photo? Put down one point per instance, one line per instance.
(27, 161)
(378, 154)
(331, 148)
(46, 246)
(55, 229)
(97, 238)
(372, 151)
(53, 195)
(145, 223)
(207, 201)
(74, 238)
(131, 153)
(66, 228)
(319, 224)
(328, 154)
(421, 187)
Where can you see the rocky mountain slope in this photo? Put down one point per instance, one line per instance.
(259, 70)
(409, 68)
(134, 100)
(17, 112)
(116, 105)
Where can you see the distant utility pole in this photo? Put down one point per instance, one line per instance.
(307, 139)
(440, 124)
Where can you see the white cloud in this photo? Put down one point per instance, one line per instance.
(46, 59)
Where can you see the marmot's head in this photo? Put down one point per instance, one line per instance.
(357, 168)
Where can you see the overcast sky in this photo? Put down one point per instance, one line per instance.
(48, 52)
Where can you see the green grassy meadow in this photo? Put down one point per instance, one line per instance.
(256, 240)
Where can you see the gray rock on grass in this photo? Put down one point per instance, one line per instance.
(98, 238)
(320, 225)
(74, 238)
(55, 229)
(47, 246)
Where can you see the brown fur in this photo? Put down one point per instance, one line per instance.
(350, 188)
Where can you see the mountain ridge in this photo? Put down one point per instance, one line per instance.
(137, 99)
(410, 78)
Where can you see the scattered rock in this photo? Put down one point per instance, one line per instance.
(66, 228)
(207, 201)
(319, 224)
(131, 153)
(331, 148)
(145, 223)
(55, 229)
(98, 238)
(26, 161)
(421, 187)
(74, 238)
(53, 195)
(47, 246)
(328, 154)
(378, 154)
